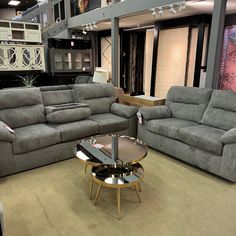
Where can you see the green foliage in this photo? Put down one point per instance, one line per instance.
(28, 80)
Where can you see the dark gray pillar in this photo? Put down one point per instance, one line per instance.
(216, 44)
(114, 48)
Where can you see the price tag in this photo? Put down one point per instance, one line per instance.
(140, 118)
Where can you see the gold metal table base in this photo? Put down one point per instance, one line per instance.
(136, 187)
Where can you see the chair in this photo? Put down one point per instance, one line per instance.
(83, 79)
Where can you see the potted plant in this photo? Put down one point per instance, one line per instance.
(28, 80)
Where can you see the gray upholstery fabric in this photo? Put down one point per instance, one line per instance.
(7, 164)
(21, 107)
(91, 91)
(168, 127)
(45, 156)
(123, 110)
(5, 134)
(23, 116)
(203, 137)
(99, 97)
(19, 97)
(67, 106)
(157, 112)
(229, 137)
(221, 111)
(34, 137)
(228, 163)
(57, 97)
(75, 130)
(2, 219)
(100, 105)
(188, 103)
(68, 115)
(53, 88)
(109, 123)
(84, 79)
(180, 150)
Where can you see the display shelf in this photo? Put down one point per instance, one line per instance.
(20, 31)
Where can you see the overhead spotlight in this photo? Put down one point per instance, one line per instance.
(13, 3)
(90, 26)
(154, 13)
(94, 25)
(87, 27)
(182, 6)
(172, 10)
(84, 32)
(160, 11)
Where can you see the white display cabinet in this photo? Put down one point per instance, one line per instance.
(22, 57)
(16, 31)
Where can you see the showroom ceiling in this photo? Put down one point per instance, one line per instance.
(24, 5)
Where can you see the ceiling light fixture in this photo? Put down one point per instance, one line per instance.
(160, 11)
(13, 3)
(84, 32)
(172, 10)
(154, 13)
(94, 25)
(182, 6)
(171, 7)
(90, 26)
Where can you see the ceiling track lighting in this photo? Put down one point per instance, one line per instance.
(88, 27)
(182, 6)
(171, 8)
(84, 32)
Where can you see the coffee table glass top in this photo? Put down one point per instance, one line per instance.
(97, 150)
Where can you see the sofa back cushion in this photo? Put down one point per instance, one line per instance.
(57, 97)
(188, 103)
(99, 97)
(221, 111)
(21, 107)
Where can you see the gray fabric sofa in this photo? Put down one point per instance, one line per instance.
(196, 125)
(48, 121)
(1, 221)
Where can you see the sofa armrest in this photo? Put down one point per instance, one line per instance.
(1, 220)
(156, 112)
(123, 110)
(229, 137)
(5, 134)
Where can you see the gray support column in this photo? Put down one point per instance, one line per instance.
(216, 43)
(114, 48)
(67, 9)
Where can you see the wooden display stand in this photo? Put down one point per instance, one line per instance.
(142, 100)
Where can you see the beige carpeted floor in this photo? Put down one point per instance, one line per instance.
(177, 200)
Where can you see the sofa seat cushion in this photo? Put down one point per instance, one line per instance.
(203, 137)
(168, 127)
(109, 123)
(75, 130)
(34, 137)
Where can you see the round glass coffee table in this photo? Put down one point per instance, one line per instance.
(115, 162)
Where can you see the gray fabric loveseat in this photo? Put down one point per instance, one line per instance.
(196, 125)
(46, 122)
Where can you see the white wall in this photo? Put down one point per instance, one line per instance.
(171, 59)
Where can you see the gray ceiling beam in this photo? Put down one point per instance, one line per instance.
(118, 10)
